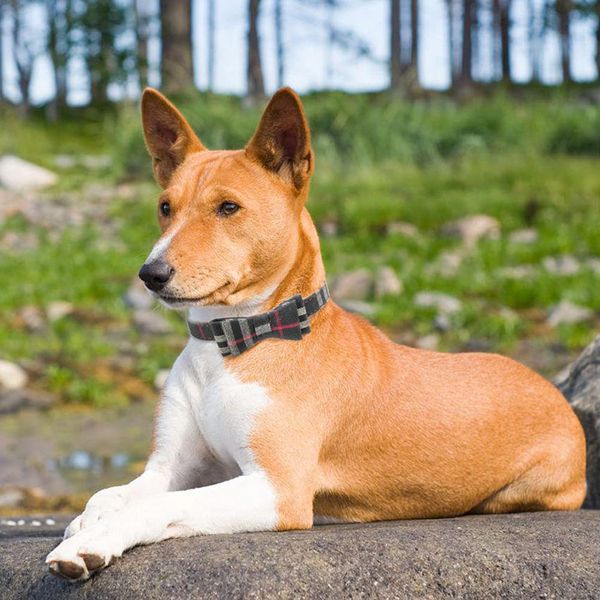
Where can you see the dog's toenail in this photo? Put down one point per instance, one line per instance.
(92, 561)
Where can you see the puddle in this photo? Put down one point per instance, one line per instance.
(74, 451)
(84, 470)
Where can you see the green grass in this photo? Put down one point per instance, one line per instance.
(378, 161)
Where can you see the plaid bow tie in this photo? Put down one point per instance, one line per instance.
(287, 321)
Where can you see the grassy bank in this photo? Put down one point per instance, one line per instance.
(528, 163)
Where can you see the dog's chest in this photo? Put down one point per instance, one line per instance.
(225, 408)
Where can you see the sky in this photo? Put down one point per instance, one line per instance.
(309, 66)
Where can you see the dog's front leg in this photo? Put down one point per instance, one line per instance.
(179, 454)
(246, 503)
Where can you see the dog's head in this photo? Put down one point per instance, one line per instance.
(230, 219)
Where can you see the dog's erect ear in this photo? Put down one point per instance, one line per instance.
(169, 137)
(281, 142)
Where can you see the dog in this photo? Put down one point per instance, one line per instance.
(309, 411)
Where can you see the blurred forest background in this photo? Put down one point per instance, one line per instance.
(457, 192)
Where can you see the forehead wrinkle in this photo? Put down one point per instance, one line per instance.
(208, 167)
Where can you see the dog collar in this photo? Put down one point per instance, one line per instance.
(287, 321)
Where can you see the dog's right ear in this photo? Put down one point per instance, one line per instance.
(169, 137)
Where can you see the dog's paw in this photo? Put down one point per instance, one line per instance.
(101, 505)
(73, 527)
(84, 553)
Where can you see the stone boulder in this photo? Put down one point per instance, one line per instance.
(353, 285)
(580, 384)
(519, 556)
(18, 175)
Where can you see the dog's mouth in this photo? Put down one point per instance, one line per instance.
(178, 301)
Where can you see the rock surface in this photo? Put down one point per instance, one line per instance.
(354, 285)
(580, 383)
(19, 175)
(387, 283)
(564, 265)
(472, 228)
(445, 304)
(567, 313)
(12, 376)
(536, 555)
(524, 236)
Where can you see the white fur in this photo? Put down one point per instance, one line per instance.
(161, 246)
(206, 415)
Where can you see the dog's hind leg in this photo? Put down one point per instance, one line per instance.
(555, 481)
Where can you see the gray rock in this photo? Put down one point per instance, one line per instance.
(447, 264)
(524, 236)
(32, 317)
(403, 229)
(428, 342)
(518, 556)
(151, 322)
(11, 496)
(19, 242)
(443, 303)
(96, 161)
(65, 161)
(354, 285)
(387, 283)
(473, 228)
(12, 401)
(593, 264)
(567, 313)
(564, 265)
(359, 307)
(518, 272)
(442, 322)
(59, 309)
(137, 296)
(161, 379)
(12, 376)
(19, 175)
(329, 227)
(581, 386)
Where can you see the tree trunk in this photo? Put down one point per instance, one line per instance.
(414, 36)
(504, 24)
(60, 23)
(451, 45)
(279, 43)
(256, 86)
(395, 45)
(466, 77)
(23, 58)
(176, 65)
(1, 50)
(597, 56)
(142, 33)
(329, 74)
(563, 8)
(475, 45)
(533, 39)
(211, 44)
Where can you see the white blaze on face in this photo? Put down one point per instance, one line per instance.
(161, 246)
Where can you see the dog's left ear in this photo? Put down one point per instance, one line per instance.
(169, 137)
(281, 142)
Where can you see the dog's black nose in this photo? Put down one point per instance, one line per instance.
(156, 274)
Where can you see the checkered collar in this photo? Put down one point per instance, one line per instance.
(287, 321)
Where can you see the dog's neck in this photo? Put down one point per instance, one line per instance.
(306, 275)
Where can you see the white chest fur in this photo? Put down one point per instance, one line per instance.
(223, 407)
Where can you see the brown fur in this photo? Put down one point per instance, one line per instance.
(360, 428)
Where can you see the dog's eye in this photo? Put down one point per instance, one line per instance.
(228, 208)
(165, 209)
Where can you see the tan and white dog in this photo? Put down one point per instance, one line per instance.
(342, 423)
